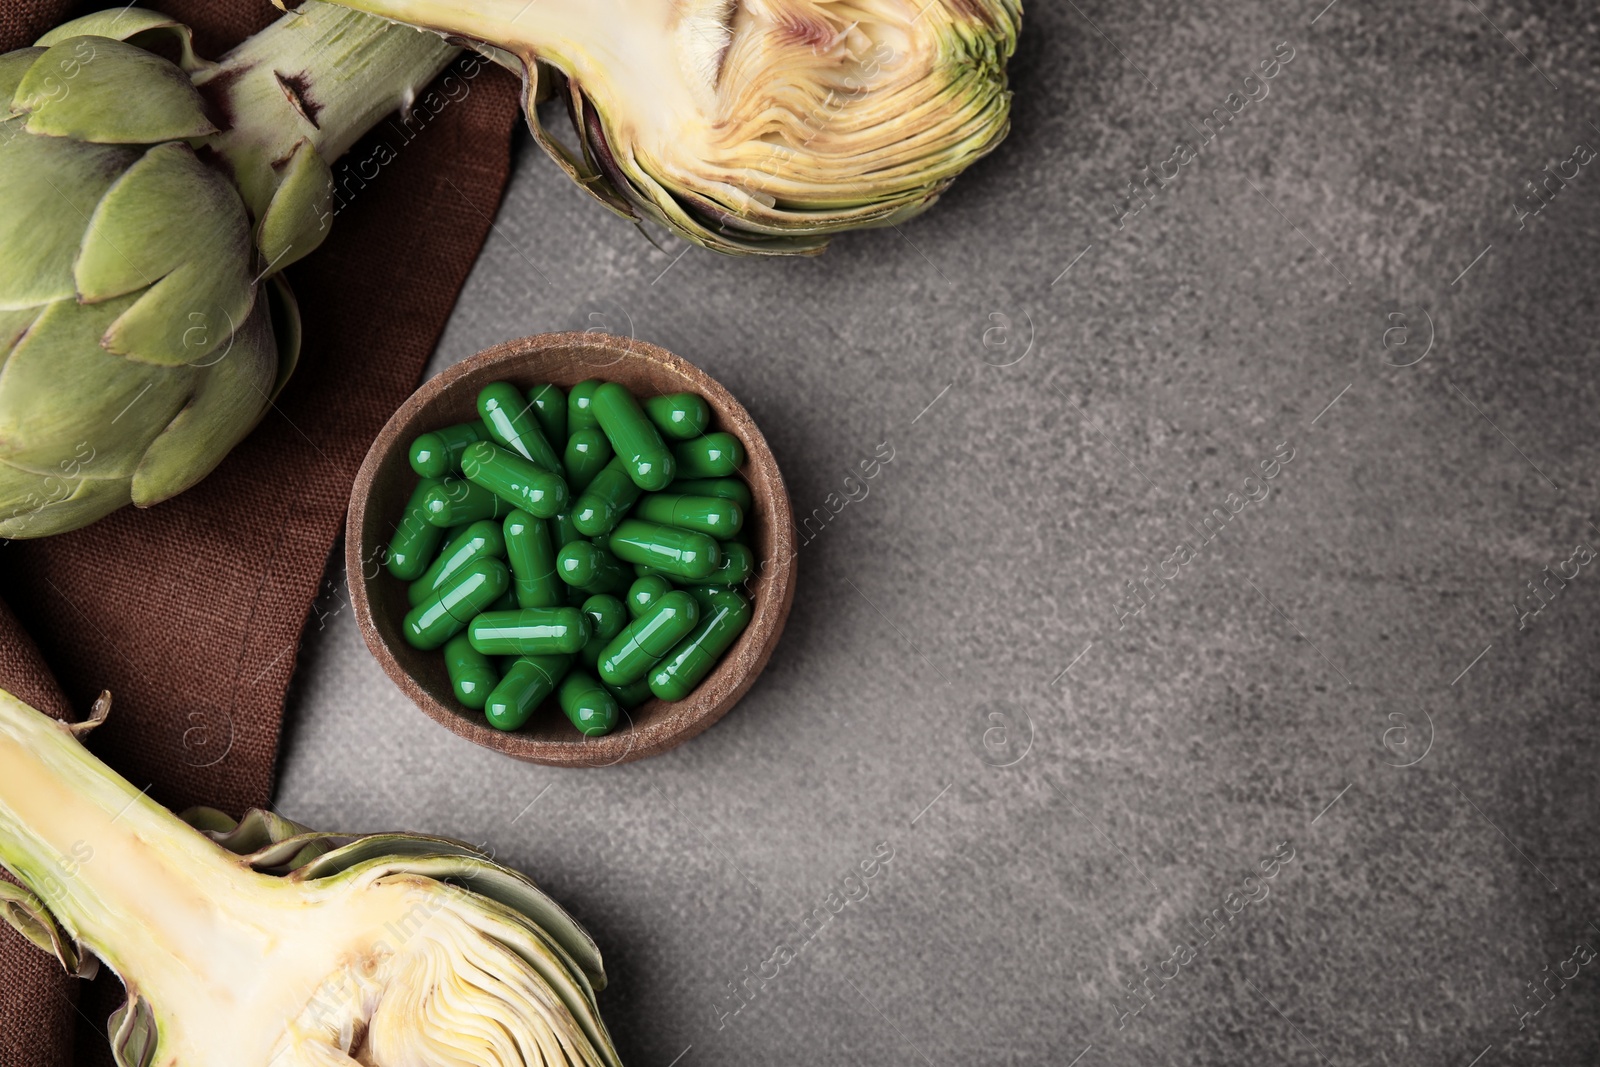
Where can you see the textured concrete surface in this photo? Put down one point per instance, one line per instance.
(1069, 790)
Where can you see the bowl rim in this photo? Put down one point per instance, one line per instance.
(716, 694)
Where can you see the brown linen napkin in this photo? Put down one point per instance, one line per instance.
(190, 613)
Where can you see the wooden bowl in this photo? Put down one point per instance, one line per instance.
(386, 480)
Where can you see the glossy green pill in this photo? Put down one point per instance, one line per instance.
(631, 695)
(580, 416)
(680, 416)
(454, 604)
(562, 530)
(550, 408)
(587, 566)
(587, 454)
(716, 455)
(416, 539)
(738, 564)
(529, 632)
(709, 515)
(588, 705)
(508, 415)
(721, 623)
(453, 502)
(683, 553)
(645, 592)
(479, 540)
(472, 676)
(608, 498)
(533, 561)
(607, 617)
(517, 481)
(633, 437)
(528, 681)
(734, 489)
(632, 653)
(437, 454)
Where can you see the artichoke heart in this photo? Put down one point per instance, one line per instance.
(259, 943)
(755, 126)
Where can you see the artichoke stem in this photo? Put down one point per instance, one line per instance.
(320, 77)
(121, 874)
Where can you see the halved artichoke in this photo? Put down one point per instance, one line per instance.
(754, 126)
(262, 944)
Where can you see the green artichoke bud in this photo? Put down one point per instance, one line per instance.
(146, 206)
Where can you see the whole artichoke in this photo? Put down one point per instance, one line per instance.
(146, 205)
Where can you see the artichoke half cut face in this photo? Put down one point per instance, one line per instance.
(260, 943)
(756, 126)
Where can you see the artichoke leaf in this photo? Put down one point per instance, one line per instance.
(236, 380)
(13, 65)
(286, 330)
(297, 217)
(263, 840)
(14, 325)
(107, 91)
(97, 715)
(97, 433)
(25, 496)
(137, 25)
(51, 185)
(197, 289)
(133, 1032)
(29, 916)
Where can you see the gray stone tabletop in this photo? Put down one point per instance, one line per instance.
(1208, 677)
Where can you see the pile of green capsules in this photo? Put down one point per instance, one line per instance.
(561, 545)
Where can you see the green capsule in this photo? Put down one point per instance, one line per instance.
(454, 604)
(416, 539)
(533, 561)
(680, 416)
(738, 564)
(648, 638)
(515, 480)
(454, 502)
(589, 705)
(472, 676)
(716, 455)
(632, 695)
(678, 552)
(734, 489)
(528, 681)
(721, 623)
(605, 501)
(580, 416)
(709, 515)
(588, 566)
(550, 408)
(633, 437)
(704, 595)
(480, 540)
(607, 617)
(437, 454)
(507, 414)
(562, 530)
(646, 591)
(529, 632)
(588, 452)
